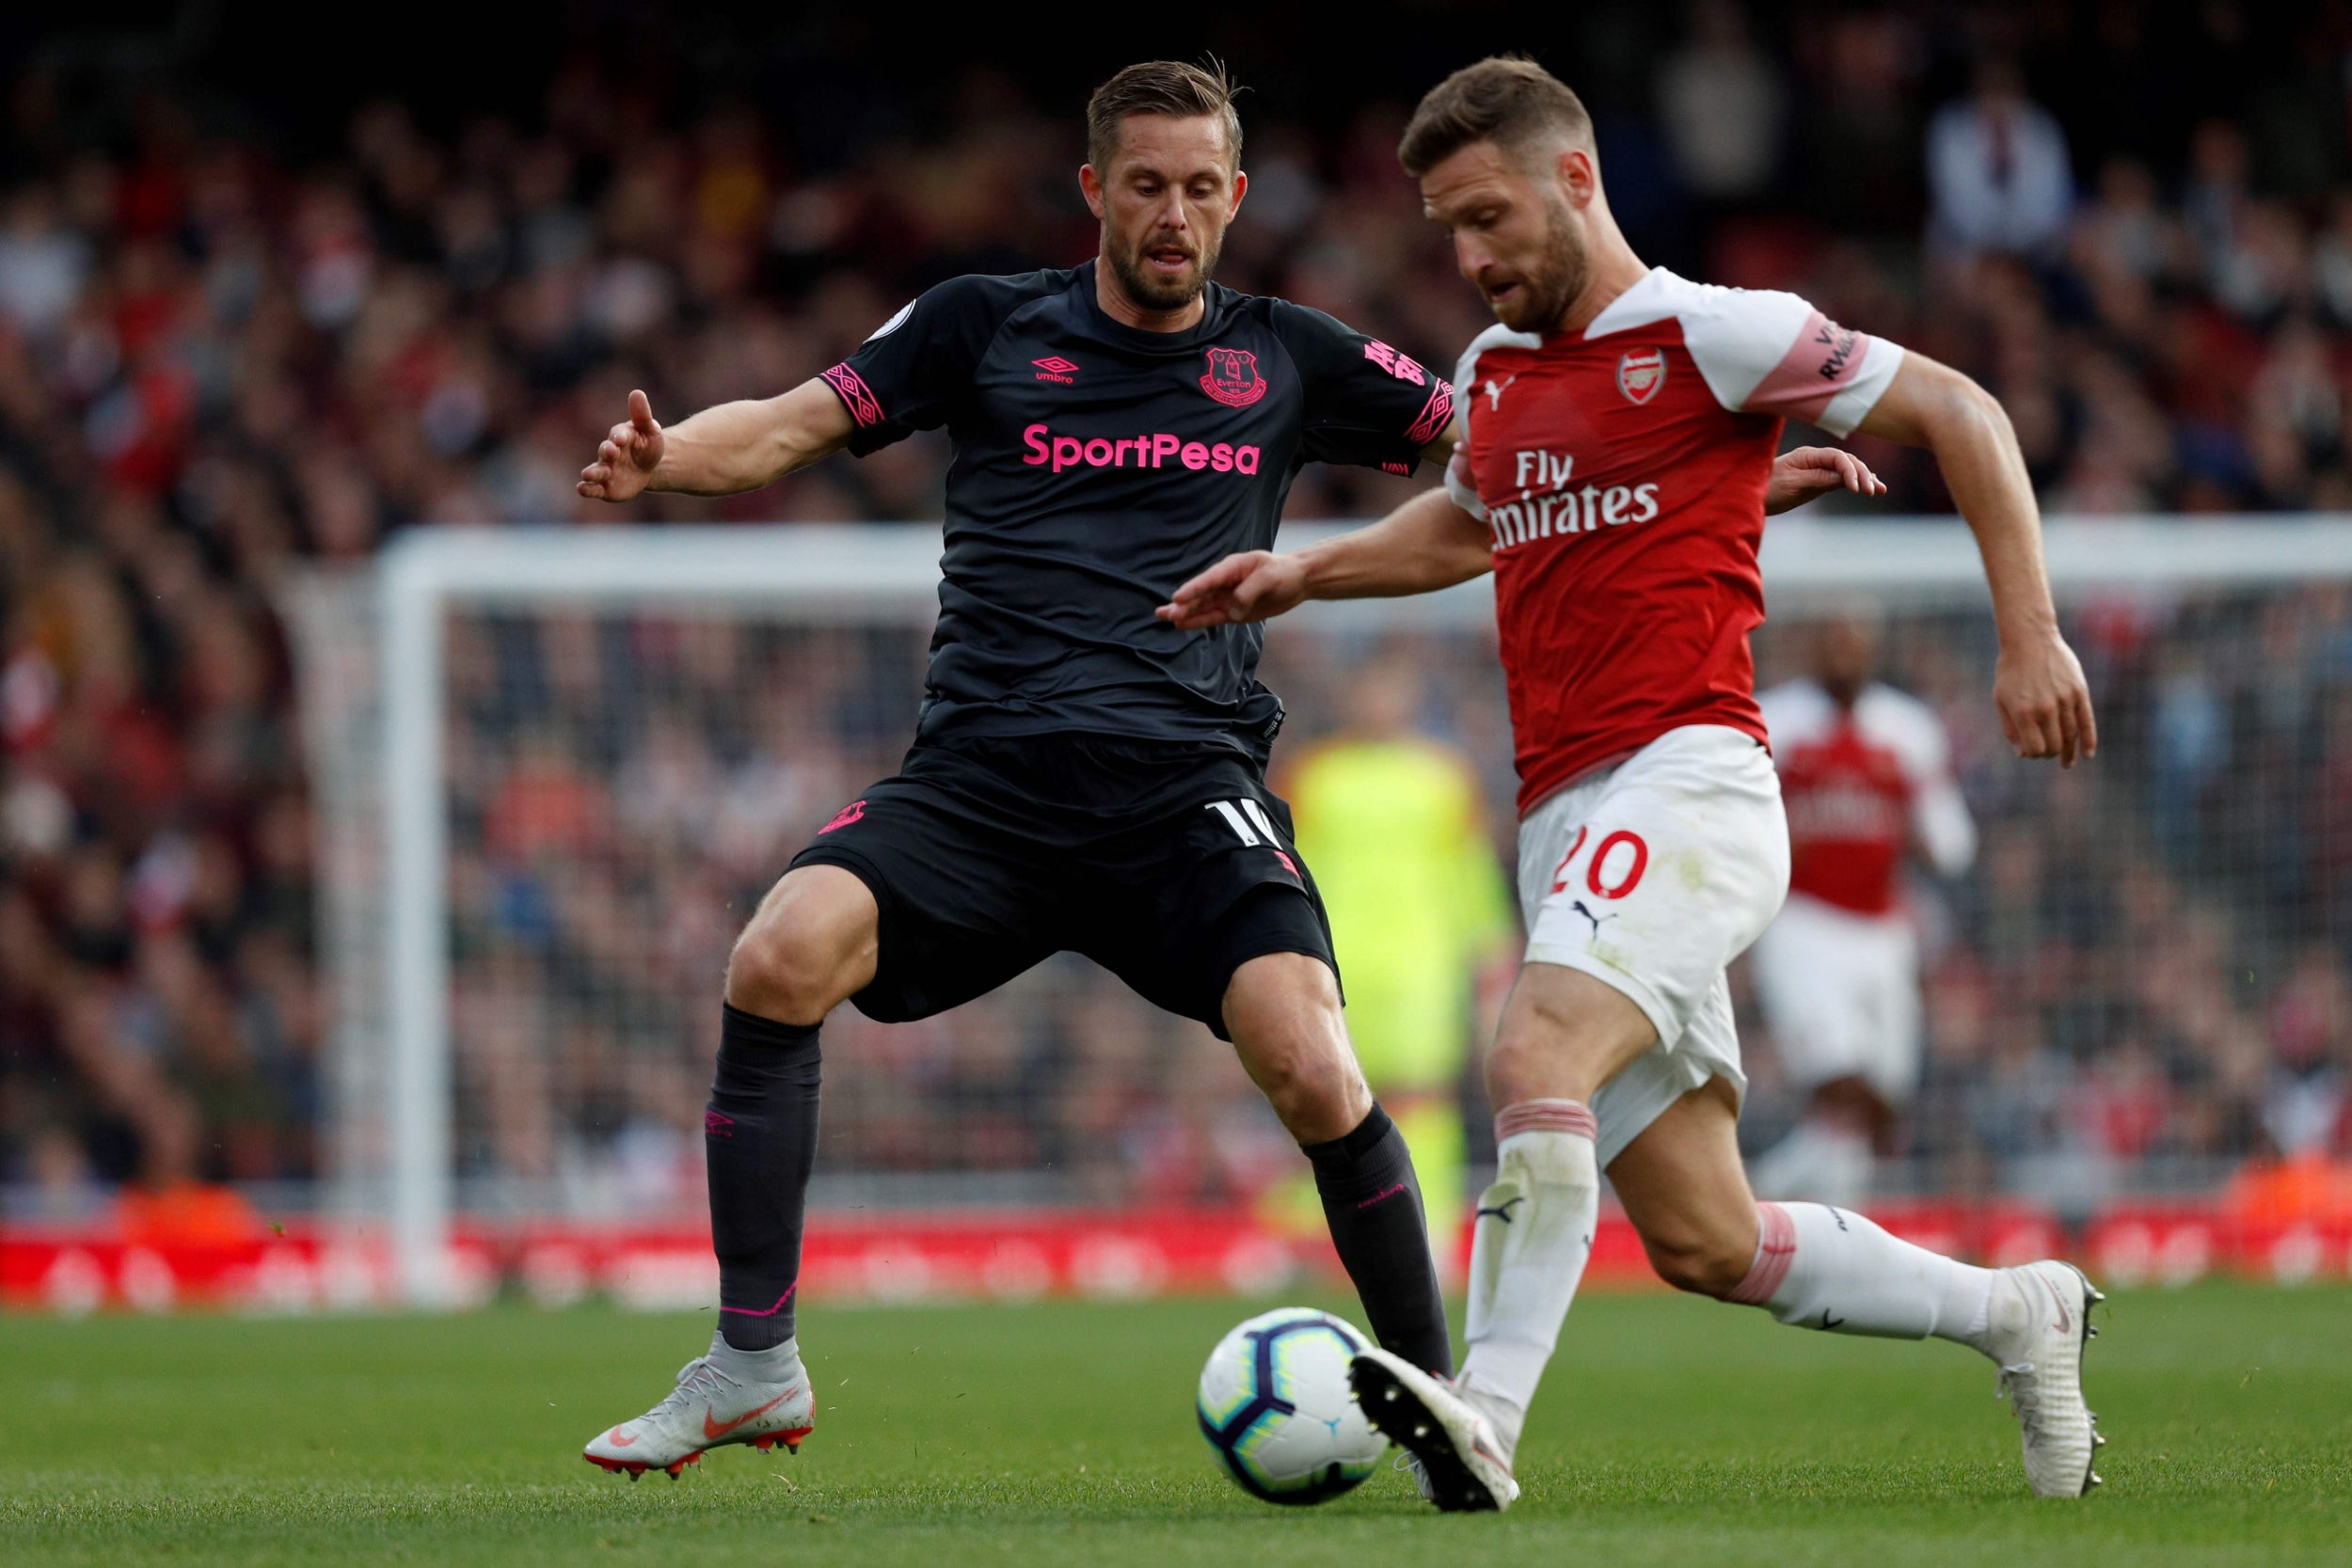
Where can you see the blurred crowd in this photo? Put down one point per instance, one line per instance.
(228, 352)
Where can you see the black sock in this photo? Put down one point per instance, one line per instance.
(1372, 1204)
(759, 1140)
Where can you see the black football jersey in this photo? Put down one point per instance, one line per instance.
(1097, 466)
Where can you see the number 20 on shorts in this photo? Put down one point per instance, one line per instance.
(1611, 875)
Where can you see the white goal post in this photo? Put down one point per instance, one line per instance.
(859, 573)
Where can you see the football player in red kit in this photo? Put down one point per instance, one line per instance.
(1616, 441)
(1865, 779)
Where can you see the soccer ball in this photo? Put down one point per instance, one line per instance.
(1276, 1406)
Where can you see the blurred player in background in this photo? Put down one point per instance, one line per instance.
(1614, 473)
(1390, 818)
(1865, 779)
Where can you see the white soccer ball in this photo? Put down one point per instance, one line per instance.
(1276, 1407)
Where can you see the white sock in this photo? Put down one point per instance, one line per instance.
(1818, 1267)
(1532, 1235)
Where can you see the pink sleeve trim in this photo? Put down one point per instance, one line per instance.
(1435, 415)
(1776, 1249)
(863, 407)
(1825, 360)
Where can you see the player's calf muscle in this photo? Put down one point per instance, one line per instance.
(1686, 1191)
(813, 943)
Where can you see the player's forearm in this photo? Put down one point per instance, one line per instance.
(734, 446)
(1426, 544)
(1934, 406)
(1977, 448)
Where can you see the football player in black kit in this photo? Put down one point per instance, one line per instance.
(1085, 776)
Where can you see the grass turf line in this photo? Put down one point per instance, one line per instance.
(1670, 1430)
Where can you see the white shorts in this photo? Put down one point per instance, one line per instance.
(1840, 991)
(1652, 876)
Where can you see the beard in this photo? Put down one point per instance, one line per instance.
(1558, 276)
(1158, 290)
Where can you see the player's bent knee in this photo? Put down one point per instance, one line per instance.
(1563, 1035)
(809, 947)
(1284, 1012)
(1702, 1263)
(772, 975)
(1318, 1093)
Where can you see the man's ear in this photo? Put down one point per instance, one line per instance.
(1578, 176)
(1091, 186)
(1241, 188)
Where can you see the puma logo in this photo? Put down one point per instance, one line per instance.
(1597, 920)
(1494, 392)
(1501, 1213)
(1829, 1320)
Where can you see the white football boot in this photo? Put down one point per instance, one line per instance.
(2037, 1336)
(1462, 1466)
(762, 1398)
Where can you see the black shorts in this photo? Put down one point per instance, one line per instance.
(1171, 867)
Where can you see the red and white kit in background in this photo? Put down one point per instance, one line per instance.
(1838, 971)
(1621, 470)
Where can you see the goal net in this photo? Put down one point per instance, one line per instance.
(555, 771)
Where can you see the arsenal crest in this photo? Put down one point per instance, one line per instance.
(1233, 379)
(1641, 373)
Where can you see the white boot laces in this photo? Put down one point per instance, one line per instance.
(698, 1379)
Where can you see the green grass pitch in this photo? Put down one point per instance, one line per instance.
(1671, 1431)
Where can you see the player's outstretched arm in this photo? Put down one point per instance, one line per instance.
(2038, 685)
(1427, 544)
(1806, 473)
(725, 449)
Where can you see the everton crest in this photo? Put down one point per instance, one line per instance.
(1233, 379)
(1641, 373)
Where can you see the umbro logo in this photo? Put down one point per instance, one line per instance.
(1055, 368)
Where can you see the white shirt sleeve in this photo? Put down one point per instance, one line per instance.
(1940, 820)
(1794, 712)
(1458, 481)
(1457, 472)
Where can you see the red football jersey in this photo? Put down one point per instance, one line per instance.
(1863, 786)
(1622, 469)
